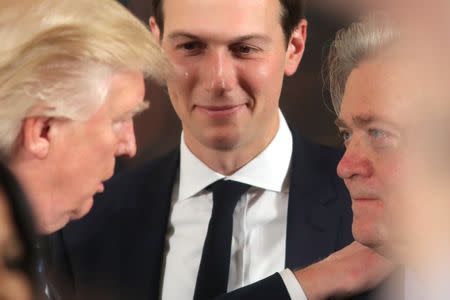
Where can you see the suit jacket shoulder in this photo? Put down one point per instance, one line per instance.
(319, 212)
(116, 250)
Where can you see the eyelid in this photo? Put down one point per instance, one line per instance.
(343, 129)
(252, 48)
(123, 118)
(343, 132)
(196, 44)
(382, 132)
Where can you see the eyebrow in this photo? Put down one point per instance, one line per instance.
(359, 121)
(140, 108)
(340, 123)
(363, 120)
(182, 34)
(187, 35)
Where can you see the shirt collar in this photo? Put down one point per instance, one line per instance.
(268, 170)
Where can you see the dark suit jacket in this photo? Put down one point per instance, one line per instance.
(118, 248)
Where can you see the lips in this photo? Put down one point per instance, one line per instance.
(363, 195)
(364, 200)
(220, 111)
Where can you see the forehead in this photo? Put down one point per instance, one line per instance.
(221, 16)
(126, 92)
(378, 88)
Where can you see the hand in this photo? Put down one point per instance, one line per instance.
(349, 271)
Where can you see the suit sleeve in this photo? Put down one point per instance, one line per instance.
(269, 288)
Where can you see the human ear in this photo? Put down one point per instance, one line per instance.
(36, 138)
(154, 28)
(296, 48)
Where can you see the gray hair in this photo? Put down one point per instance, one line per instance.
(351, 46)
(57, 58)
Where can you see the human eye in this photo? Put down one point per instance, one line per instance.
(191, 47)
(345, 135)
(381, 138)
(243, 50)
(119, 123)
(377, 133)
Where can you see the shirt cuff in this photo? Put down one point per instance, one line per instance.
(292, 285)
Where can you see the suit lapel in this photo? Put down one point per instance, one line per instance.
(124, 234)
(312, 225)
(143, 252)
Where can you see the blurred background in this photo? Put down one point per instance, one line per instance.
(304, 100)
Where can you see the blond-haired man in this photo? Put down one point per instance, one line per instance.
(71, 80)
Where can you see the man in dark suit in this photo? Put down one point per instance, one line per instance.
(153, 230)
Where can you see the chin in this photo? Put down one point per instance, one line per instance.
(83, 210)
(364, 235)
(370, 236)
(225, 141)
(53, 227)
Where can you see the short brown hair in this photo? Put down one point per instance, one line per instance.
(292, 12)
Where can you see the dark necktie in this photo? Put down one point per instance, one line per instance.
(46, 289)
(212, 278)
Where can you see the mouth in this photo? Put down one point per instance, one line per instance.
(363, 196)
(220, 111)
(364, 199)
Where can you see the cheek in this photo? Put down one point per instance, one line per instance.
(182, 84)
(105, 142)
(261, 79)
(390, 176)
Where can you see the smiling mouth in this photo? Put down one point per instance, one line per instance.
(221, 111)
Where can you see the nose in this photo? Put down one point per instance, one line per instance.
(220, 76)
(355, 163)
(127, 140)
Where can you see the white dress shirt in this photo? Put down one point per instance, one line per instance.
(259, 221)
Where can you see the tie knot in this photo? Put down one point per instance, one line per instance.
(227, 191)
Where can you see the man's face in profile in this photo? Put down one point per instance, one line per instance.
(230, 57)
(372, 122)
(83, 154)
(394, 121)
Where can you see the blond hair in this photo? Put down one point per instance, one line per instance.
(352, 45)
(58, 56)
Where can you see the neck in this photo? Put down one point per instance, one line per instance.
(34, 181)
(227, 160)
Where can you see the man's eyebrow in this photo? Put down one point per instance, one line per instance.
(182, 34)
(363, 120)
(340, 123)
(360, 121)
(140, 108)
